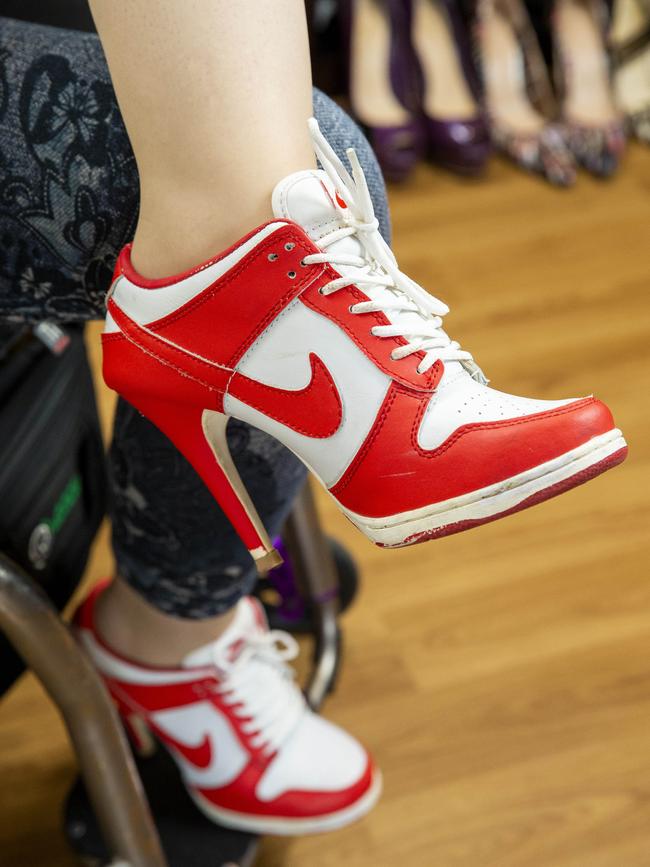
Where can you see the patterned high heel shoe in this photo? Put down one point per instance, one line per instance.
(457, 130)
(382, 82)
(594, 127)
(518, 95)
(630, 40)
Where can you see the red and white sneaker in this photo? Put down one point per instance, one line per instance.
(307, 329)
(251, 753)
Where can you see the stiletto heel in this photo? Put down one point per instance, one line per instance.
(200, 435)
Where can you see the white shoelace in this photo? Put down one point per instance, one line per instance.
(415, 315)
(262, 684)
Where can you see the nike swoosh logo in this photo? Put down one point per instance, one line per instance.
(192, 732)
(200, 757)
(314, 411)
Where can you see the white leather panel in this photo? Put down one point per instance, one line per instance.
(194, 724)
(110, 325)
(308, 198)
(460, 400)
(318, 756)
(280, 358)
(121, 669)
(148, 305)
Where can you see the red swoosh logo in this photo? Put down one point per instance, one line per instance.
(200, 757)
(314, 411)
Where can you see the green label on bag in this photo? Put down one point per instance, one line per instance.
(42, 536)
(65, 504)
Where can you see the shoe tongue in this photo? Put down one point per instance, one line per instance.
(310, 199)
(249, 620)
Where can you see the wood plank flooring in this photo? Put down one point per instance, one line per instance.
(501, 676)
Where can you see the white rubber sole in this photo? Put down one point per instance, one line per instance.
(488, 503)
(284, 827)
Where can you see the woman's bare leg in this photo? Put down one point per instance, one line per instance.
(215, 96)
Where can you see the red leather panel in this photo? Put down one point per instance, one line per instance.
(225, 319)
(133, 370)
(392, 474)
(292, 804)
(137, 361)
(314, 411)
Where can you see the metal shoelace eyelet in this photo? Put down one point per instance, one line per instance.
(291, 274)
(303, 264)
(272, 257)
(289, 246)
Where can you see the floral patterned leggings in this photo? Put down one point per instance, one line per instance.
(68, 202)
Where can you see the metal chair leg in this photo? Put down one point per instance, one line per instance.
(312, 556)
(46, 644)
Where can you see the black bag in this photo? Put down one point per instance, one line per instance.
(52, 462)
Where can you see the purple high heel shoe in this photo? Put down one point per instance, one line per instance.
(382, 79)
(457, 131)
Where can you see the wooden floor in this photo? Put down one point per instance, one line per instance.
(501, 676)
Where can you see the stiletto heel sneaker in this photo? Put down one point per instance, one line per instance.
(382, 82)
(594, 127)
(518, 95)
(457, 131)
(250, 752)
(308, 330)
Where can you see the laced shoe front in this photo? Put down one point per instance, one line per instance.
(251, 753)
(307, 329)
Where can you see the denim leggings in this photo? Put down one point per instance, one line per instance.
(68, 202)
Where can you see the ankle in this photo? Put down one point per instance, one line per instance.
(162, 250)
(135, 629)
(184, 221)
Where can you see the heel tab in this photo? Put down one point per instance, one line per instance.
(123, 262)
